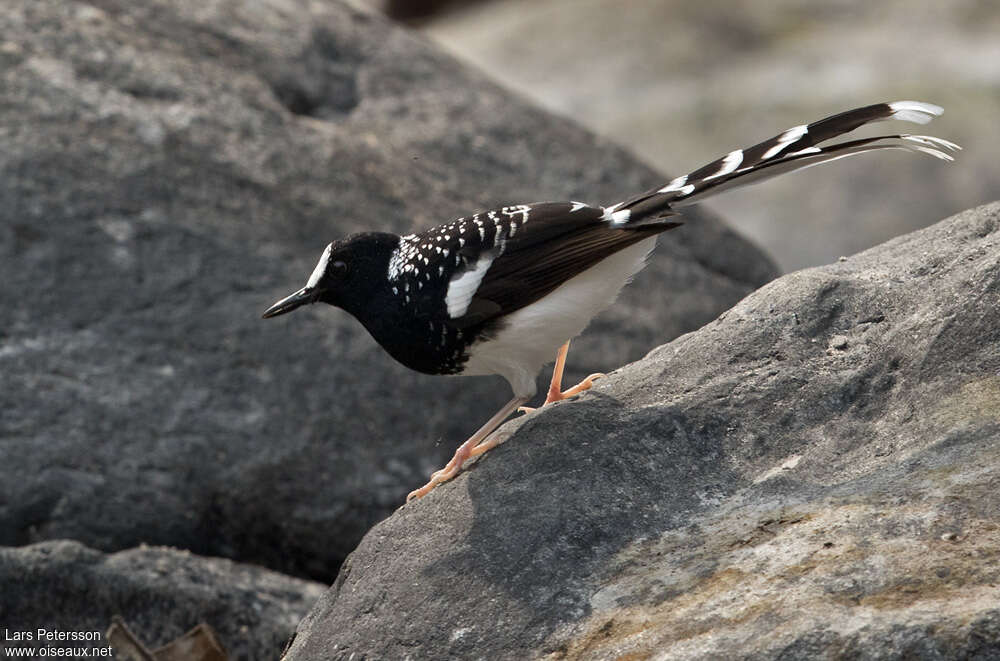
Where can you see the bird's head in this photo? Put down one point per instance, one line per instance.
(347, 272)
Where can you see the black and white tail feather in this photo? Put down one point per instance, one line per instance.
(794, 149)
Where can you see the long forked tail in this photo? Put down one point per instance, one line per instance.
(794, 149)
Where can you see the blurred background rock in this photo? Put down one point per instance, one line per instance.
(680, 83)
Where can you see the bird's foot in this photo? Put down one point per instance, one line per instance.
(481, 441)
(586, 384)
(451, 469)
(556, 395)
(465, 452)
(491, 442)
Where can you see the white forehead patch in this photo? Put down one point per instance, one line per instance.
(320, 267)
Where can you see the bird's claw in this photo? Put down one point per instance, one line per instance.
(586, 384)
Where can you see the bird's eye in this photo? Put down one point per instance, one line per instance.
(339, 267)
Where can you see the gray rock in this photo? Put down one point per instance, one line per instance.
(160, 593)
(742, 492)
(169, 168)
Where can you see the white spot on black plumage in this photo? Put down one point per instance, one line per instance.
(915, 111)
(620, 217)
(577, 206)
(807, 150)
(401, 256)
(512, 212)
(608, 214)
(675, 184)
(788, 137)
(729, 163)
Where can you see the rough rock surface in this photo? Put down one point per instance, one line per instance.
(681, 82)
(816, 474)
(171, 167)
(160, 593)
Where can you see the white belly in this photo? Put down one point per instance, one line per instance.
(534, 333)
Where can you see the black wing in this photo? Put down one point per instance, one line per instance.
(549, 244)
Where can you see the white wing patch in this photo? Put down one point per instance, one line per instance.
(463, 287)
(320, 268)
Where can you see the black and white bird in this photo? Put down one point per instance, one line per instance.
(501, 291)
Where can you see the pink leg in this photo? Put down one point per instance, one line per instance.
(468, 449)
(556, 393)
